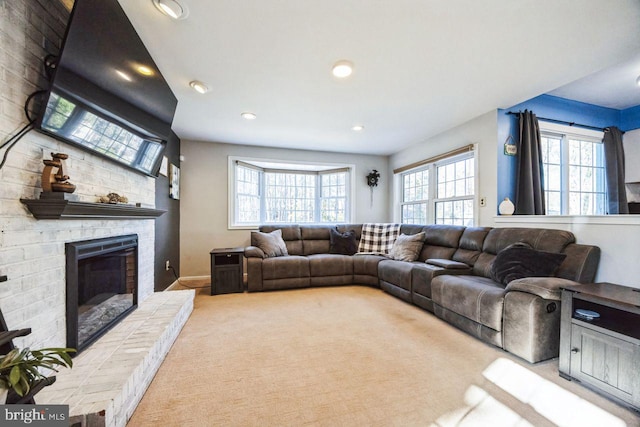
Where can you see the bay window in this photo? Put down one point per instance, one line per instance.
(268, 192)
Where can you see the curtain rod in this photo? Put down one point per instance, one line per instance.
(563, 122)
(461, 150)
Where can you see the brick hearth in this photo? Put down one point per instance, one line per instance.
(109, 378)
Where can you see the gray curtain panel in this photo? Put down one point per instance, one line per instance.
(529, 180)
(614, 165)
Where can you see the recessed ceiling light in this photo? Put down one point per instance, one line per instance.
(342, 69)
(248, 115)
(171, 8)
(144, 70)
(199, 87)
(123, 75)
(357, 128)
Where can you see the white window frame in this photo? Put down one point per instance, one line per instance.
(471, 197)
(316, 168)
(565, 133)
(433, 186)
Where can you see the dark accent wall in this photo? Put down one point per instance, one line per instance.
(167, 225)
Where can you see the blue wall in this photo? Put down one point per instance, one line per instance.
(630, 118)
(552, 107)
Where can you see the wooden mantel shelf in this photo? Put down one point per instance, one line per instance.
(66, 209)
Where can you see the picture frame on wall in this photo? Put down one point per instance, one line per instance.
(174, 181)
(164, 166)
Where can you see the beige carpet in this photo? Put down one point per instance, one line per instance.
(352, 356)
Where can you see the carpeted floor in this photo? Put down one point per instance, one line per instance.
(352, 356)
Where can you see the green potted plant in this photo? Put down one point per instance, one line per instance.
(19, 369)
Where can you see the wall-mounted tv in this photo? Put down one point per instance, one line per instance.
(106, 93)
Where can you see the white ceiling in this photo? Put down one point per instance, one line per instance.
(614, 87)
(421, 66)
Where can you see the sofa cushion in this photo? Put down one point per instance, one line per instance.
(366, 265)
(441, 241)
(378, 238)
(407, 247)
(271, 243)
(315, 239)
(292, 266)
(342, 243)
(470, 245)
(330, 265)
(396, 273)
(521, 260)
(476, 298)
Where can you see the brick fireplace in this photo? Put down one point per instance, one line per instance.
(102, 286)
(33, 251)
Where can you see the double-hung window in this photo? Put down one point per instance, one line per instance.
(268, 192)
(573, 170)
(454, 202)
(415, 196)
(441, 191)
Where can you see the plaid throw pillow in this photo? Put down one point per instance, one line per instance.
(378, 238)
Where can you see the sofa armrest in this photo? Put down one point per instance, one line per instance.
(254, 252)
(549, 288)
(448, 264)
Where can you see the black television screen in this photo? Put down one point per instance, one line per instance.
(106, 93)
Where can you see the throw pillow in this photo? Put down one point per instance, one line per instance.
(407, 247)
(520, 260)
(342, 243)
(271, 244)
(378, 239)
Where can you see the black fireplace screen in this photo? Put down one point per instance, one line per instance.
(102, 284)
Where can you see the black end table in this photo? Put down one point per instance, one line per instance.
(227, 270)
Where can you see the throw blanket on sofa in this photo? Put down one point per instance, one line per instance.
(378, 239)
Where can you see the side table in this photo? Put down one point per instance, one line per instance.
(227, 270)
(600, 340)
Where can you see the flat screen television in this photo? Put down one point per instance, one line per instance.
(106, 94)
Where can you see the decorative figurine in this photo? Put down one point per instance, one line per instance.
(53, 177)
(113, 198)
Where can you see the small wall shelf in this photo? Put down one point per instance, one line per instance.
(66, 209)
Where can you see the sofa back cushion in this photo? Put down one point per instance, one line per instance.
(441, 241)
(470, 245)
(538, 238)
(315, 239)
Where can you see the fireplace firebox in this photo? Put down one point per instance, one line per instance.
(102, 286)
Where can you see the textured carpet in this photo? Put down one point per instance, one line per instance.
(351, 356)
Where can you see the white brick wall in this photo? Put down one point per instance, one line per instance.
(32, 251)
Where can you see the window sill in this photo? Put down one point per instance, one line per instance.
(569, 219)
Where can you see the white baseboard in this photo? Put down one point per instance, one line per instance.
(189, 282)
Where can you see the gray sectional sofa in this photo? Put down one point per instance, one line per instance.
(455, 284)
